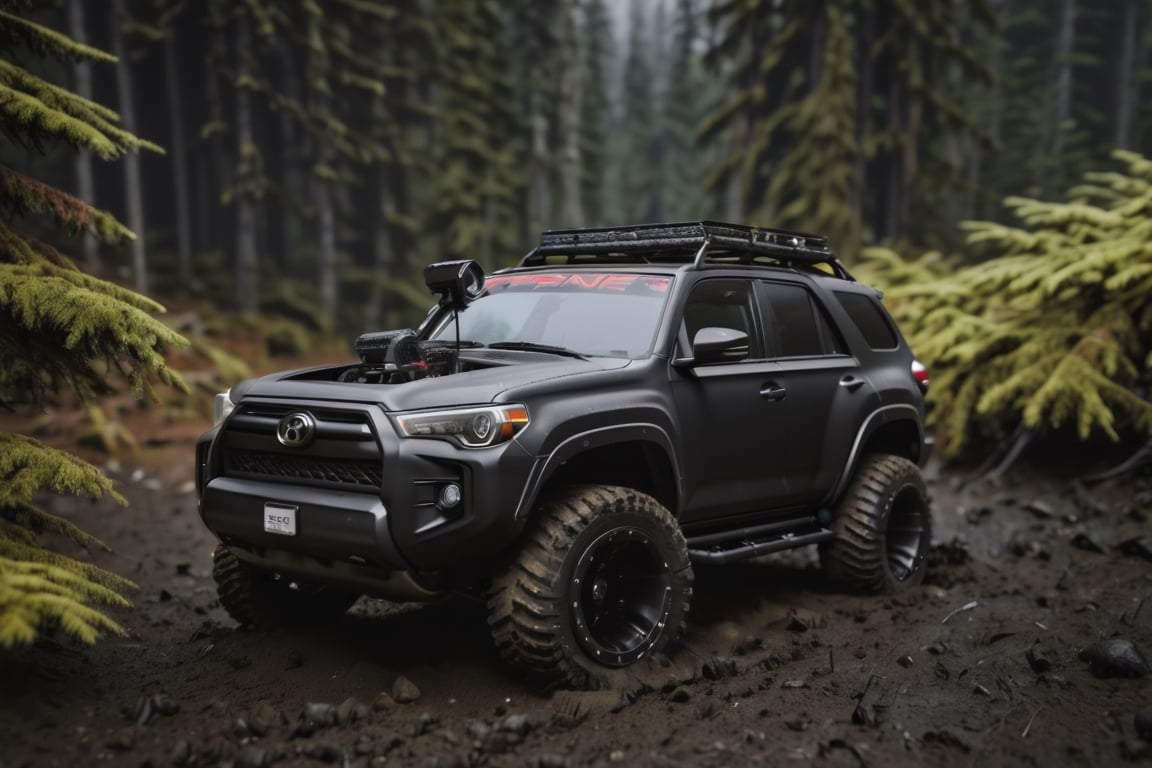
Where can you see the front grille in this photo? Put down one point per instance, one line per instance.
(305, 469)
(343, 453)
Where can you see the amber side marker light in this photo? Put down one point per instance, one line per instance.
(515, 419)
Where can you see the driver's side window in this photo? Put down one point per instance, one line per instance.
(721, 304)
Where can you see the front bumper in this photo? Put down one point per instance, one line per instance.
(365, 499)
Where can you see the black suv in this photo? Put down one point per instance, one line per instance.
(567, 438)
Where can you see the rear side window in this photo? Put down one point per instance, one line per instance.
(795, 326)
(870, 319)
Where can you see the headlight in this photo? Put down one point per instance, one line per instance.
(224, 406)
(470, 427)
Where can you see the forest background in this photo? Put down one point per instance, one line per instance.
(318, 154)
(299, 162)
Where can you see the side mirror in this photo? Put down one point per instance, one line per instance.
(716, 345)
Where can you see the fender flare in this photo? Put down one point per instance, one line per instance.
(544, 466)
(884, 415)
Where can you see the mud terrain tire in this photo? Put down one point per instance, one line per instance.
(883, 528)
(264, 599)
(601, 581)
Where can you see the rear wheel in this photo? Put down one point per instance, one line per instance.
(601, 582)
(266, 599)
(883, 528)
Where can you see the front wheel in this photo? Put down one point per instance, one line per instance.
(883, 528)
(602, 580)
(265, 599)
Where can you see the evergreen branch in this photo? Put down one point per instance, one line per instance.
(45, 41)
(23, 195)
(17, 543)
(37, 598)
(55, 325)
(27, 466)
(84, 123)
(33, 118)
(40, 258)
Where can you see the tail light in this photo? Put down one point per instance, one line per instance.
(920, 373)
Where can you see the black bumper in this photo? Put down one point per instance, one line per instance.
(391, 523)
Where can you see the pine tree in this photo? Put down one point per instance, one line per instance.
(816, 185)
(685, 105)
(597, 53)
(1054, 330)
(61, 331)
(914, 122)
(637, 145)
(773, 56)
(535, 61)
(840, 113)
(398, 46)
(477, 183)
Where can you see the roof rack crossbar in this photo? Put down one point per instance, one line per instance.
(650, 243)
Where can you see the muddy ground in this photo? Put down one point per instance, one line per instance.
(980, 666)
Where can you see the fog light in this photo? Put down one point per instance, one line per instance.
(449, 496)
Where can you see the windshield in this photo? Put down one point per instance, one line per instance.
(610, 315)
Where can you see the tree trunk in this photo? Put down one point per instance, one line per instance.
(1126, 80)
(571, 108)
(374, 312)
(215, 175)
(245, 265)
(179, 157)
(977, 155)
(322, 196)
(895, 173)
(134, 199)
(326, 261)
(85, 187)
(733, 200)
(866, 35)
(293, 175)
(541, 202)
(1062, 108)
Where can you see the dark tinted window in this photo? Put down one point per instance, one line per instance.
(721, 304)
(870, 319)
(795, 326)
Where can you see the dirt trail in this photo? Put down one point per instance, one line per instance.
(980, 666)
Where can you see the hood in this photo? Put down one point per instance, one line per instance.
(477, 387)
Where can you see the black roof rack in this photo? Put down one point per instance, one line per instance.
(701, 243)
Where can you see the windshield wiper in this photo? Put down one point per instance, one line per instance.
(531, 346)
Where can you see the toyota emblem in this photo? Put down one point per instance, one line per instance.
(296, 430)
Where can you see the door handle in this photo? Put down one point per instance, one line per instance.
(773, 392)
(851, 383)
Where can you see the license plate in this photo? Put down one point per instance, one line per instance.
(280, 518)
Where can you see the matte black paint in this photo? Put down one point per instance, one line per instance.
(734, 444)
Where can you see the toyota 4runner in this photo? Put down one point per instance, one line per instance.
(568, 438)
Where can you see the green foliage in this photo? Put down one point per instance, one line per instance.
(816, 186)
(476, 185)
(838, 109)
(39, 596)
(61, 331)
(28, 466)
(40, 589)
(1054, 330)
